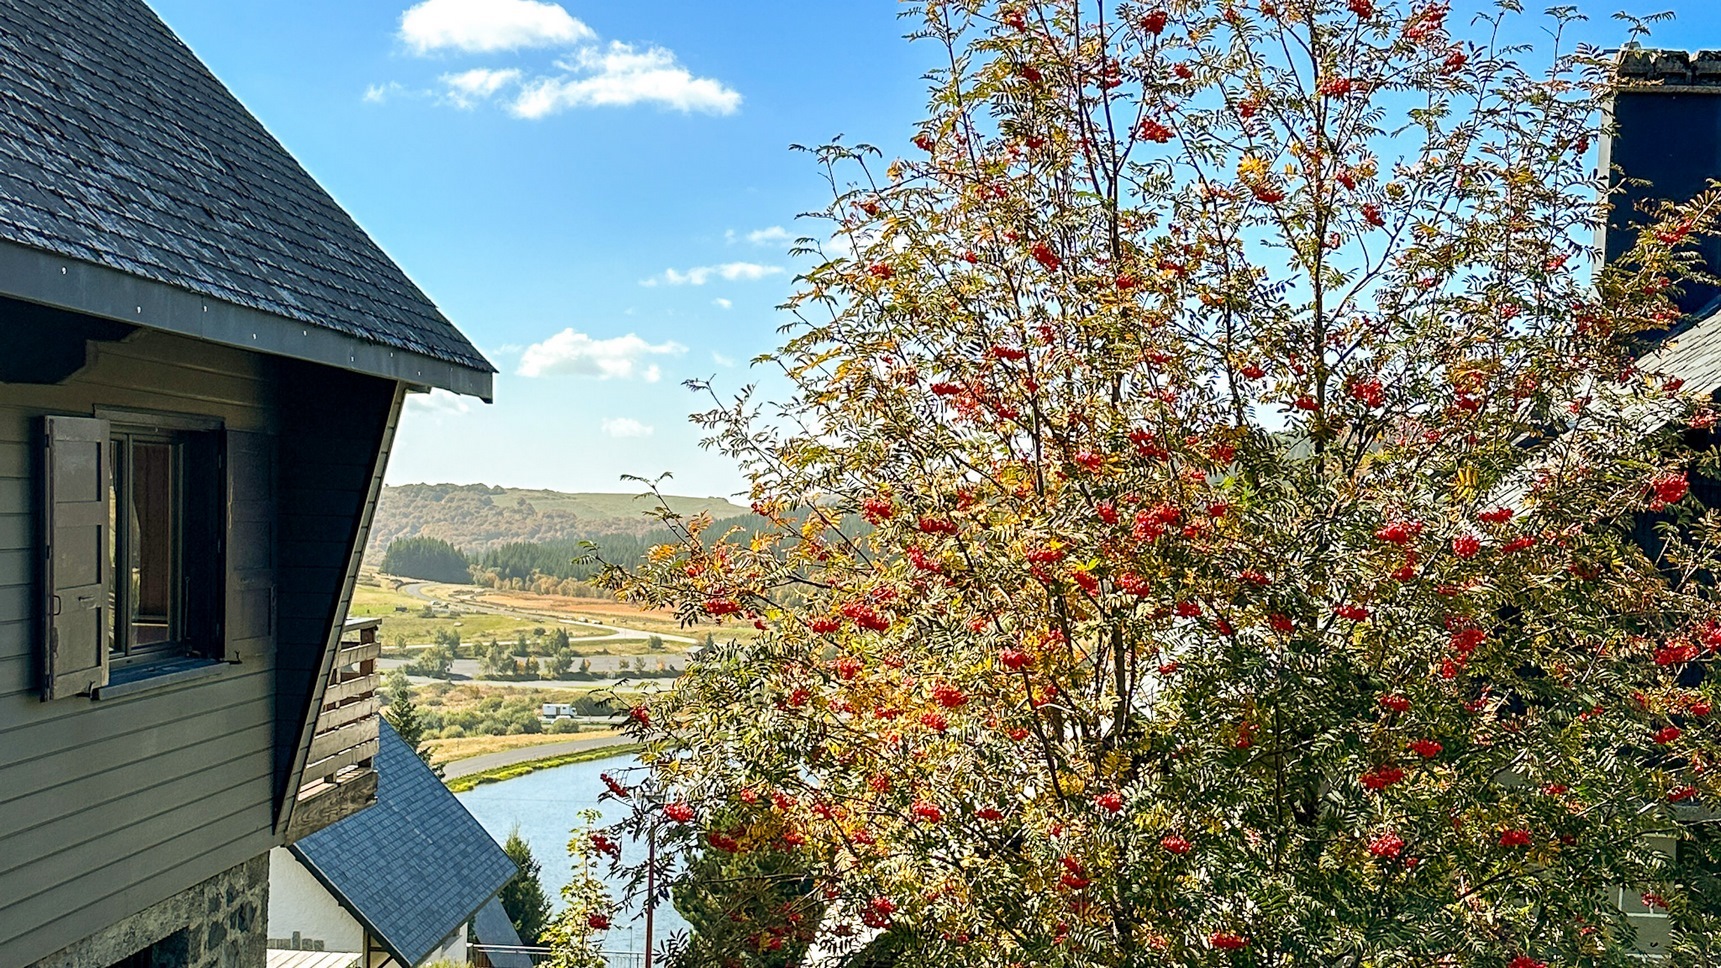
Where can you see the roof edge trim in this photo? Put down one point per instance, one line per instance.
(82, 287)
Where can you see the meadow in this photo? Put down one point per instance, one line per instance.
(413, 621)
(473, 714)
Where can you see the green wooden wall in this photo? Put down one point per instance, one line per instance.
(108, 806)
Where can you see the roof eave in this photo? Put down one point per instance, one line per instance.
(55, 280)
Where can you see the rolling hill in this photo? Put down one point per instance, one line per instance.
(478, 517)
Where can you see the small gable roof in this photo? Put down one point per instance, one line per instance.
(494, 928)
(126, 160)
(414, 866)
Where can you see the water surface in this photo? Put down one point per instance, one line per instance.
(545, 806)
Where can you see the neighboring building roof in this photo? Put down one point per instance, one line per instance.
(120, 149)
(494, 928)
(1691, 352)
(413, 867)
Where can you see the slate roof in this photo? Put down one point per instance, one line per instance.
(493, 928)
(118, 147)
(413, 867)
(1691, 352)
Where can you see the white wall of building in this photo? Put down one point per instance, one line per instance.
(453, 948)
(298, 903)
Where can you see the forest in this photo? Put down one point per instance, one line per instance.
(561, 566)
(578, 558)
(431, 559)
(479, 517)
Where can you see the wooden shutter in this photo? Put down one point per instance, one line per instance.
(250, 544)
(77, 550)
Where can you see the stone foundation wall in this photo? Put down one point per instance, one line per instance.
(220, 923)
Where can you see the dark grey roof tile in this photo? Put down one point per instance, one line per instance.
(416, 865)
(118, 147)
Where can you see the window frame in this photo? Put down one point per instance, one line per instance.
(197, 625)
(79, 579)
(122, 649)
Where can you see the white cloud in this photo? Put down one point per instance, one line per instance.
(575, 354)
(721, 360)
(626, 427)
(482, 26)
(722, 303)
(479, 84)
(380, 93)
(700, 275)
(775, 235)
(438, 402)
(621, 75)
(856, 242)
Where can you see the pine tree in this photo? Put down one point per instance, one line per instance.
(402, 714)
(523, 896)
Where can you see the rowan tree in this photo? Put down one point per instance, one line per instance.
(576, 933)
(1233, 519)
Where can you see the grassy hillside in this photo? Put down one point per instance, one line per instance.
(477, 517)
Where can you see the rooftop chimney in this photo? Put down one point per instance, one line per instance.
(1667, 115)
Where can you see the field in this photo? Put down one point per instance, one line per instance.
(594, 610)
(476, 517)
(449, 750)
(403, 618)
(472, 712)
(371, 601)
(457, 698)
(461, 784)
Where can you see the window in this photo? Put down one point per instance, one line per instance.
(147, 507)
(136, 556)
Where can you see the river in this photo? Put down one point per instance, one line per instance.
(544, 805)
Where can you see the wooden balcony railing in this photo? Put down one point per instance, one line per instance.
(340, 777)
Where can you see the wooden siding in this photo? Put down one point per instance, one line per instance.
(108, 806)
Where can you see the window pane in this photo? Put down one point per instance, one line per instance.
(116, 479)
(153, 525)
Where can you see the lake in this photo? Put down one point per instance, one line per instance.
(545, 805)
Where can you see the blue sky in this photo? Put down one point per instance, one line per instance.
(538, 231)
(600, 195)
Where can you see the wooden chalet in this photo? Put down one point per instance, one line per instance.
(203, 360)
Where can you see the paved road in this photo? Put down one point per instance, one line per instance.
(489, 761)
